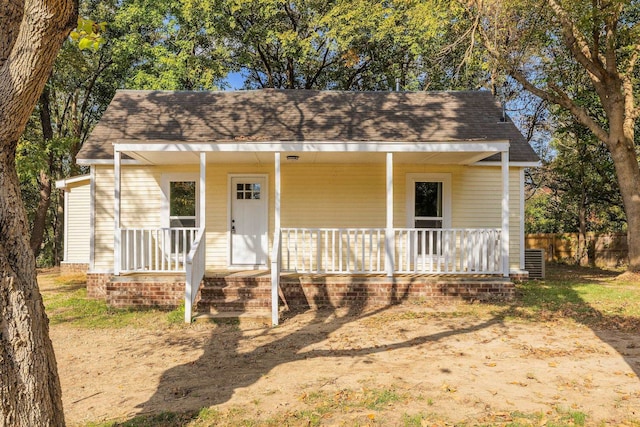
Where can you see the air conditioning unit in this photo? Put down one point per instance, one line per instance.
(534, 263)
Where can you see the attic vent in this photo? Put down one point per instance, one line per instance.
(534, 263)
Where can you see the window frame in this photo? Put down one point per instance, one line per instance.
(165, 184)
(445, 179)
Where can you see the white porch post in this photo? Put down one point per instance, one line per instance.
(116, 212)
(389, 241)
(202, 195)
(275, 255)
(504, 235)
(190, 277)
(277, 196)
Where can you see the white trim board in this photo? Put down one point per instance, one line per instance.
(321, 146)
(445, 178)
(165, 180)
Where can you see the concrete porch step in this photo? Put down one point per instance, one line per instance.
(235, 305)
(262, 318)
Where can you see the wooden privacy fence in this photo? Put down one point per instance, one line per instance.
(598, 249)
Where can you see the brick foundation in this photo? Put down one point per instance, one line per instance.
(73, 267)
(317, 292)
(235, 293)
(520, 276)
(145, 292)
(252, 293)
(97, 285)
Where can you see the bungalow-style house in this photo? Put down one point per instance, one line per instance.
(272, 197)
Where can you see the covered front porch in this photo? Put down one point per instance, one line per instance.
(430, 248)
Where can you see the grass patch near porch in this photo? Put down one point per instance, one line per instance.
(595, 297)
(66, 302)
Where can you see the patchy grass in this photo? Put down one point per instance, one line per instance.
(65, 300)
(318, 414)
(597, 298)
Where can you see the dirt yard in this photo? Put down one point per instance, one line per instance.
(403, 365)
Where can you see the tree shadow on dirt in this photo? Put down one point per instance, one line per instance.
(191, 386)
(195, 385)
(563, 300)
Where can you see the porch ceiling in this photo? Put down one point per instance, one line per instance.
(248, 157)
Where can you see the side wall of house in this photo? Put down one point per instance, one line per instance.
(313, 195)
(78, 223)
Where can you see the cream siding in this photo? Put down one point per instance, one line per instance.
(103, 251)
(313, 195)
(78, 223)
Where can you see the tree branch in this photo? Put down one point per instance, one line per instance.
(559, 97)
(10, 16)
(576, 42)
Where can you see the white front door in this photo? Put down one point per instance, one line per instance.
(248, 225)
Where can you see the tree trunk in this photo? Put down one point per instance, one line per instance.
(45, 181)
(628, 172)
(29, 385)
(40, 218)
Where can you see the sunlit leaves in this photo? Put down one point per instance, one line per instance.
(89, 34)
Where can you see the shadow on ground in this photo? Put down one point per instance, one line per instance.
(189, 387)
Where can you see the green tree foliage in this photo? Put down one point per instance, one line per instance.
(133, 44)
(538, 44)
(348, 45)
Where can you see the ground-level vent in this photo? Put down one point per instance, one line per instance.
(534, 263)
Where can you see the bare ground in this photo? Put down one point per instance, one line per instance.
(443, 367)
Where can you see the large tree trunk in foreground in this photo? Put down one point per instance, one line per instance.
(31, 34)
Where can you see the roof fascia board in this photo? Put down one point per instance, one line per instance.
(514, 164)
(322, 146)
(92, 162)
(64, 183)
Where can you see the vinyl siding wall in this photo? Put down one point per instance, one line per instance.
(313, 195)
(78, 223)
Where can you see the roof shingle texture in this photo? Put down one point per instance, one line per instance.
(302, 115)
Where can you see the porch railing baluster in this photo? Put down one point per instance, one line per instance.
(417, 250)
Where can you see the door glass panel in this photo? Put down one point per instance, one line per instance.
(248, 191)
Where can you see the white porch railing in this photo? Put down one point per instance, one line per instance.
(195, 266)
(416, 250)
(333, 250)
(448, 251)
(155, 250)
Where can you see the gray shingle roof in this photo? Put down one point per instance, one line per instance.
(302, 115)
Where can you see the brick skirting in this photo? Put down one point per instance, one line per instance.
(145, 292)
(73, 267)
(317, 292)
(136, 291)
(97, 285)
(253, 293)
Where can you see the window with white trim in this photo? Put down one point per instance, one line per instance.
(182, 204)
